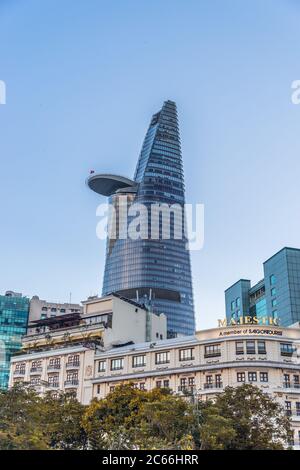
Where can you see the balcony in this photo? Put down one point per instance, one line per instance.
(36, 370)
(19, 372)
(71, 383)
(293, 413)
(291, 385)
(186, 389)
(52, 385)
(212, 355)
(73, 365)
(53, 367)
(213, 385)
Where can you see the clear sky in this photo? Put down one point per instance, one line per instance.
(83, 79)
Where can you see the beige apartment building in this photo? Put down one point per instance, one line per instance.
(198, 366)
(41, 309)
(58, 352)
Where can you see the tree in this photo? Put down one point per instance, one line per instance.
(20, 420)
(170, 419)
(29, 421)
(244, 418)
(63, 419)
(136, 419)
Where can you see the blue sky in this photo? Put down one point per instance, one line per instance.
(83, 79)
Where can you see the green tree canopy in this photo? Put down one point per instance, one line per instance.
(245, 418)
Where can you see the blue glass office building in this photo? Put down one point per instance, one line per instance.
(156, 271)
(277, 295)
(14, 311)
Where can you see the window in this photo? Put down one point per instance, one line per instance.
(112, 388)
(208, 382)
(158, 384)
(272, 279)
(212, 350)
(274, 302)
(250, 345)
(238, 302)
(142, 386)
(43, 316)
(264, 376)
(261, 347)
(72, 377)
(241, 377)
(139, 361)
(252, 376)
(233, 305)
(286, 349)
(53, 380)
(36, 366)
(296, 381)
(53, 309)
(54, 363)
(183, 383)
(166, 383)
(20, 368)
(98, 389)
(191, 381)
(117, 364)
(218, 379)
(101, 366)
(298, 410)
(162, 357)
(73, 360)
(273, 291)
(35, 380)
(186, 354)
(239, 347)
(44, 309)
(288, 408)
(62, 310)
(286, 380)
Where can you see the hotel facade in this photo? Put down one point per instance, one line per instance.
(196, 367)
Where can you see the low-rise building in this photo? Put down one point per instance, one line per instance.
(42, 309)
(198, 366)
(58, 352)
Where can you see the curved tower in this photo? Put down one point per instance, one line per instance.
(152, 269)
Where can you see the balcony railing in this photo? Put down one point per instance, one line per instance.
(213, 354)
(291, 385)
(73, 365)
(71, 383)
(53, 385)
(19, 372)
(208, 386)
(292, 413)
(186, 389)
(53, 367)
(33, 370)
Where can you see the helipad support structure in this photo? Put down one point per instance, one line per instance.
(157, 271)
(107, 185)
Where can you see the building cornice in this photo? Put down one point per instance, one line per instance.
(198, 368)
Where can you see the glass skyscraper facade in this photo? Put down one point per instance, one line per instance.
(152, 269)
(14, 311)
(276, 296)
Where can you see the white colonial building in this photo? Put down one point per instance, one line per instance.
(200, 366)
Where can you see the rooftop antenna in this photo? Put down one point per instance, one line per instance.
(70, 298)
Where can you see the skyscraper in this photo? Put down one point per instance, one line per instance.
(153, 269)
(276, 296)
(14, 310)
